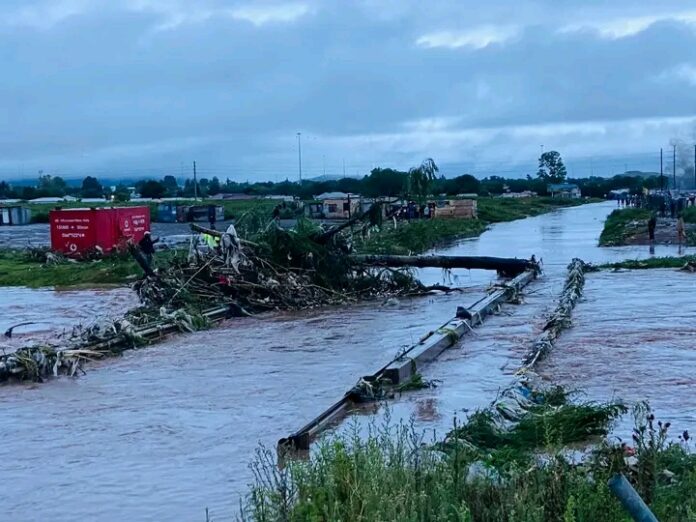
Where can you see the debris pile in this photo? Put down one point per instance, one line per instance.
(277, 269)
(560, 318)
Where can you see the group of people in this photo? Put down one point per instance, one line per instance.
(414, 211)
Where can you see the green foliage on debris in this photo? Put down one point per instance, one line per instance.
(544, 423)
(392, 475)
(624, 224)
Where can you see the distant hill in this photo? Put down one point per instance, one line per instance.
(639, 174)
(331, 177)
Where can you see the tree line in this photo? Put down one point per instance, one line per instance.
(416, 183)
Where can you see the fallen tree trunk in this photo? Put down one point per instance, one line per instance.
(507, 266)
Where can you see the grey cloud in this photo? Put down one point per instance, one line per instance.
(148, 83)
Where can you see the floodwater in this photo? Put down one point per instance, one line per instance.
(633, 339)
(53, 311)
(166, 431)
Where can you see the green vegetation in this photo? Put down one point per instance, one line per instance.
(25, 268)
(496, 210)
(653, 262)
(419, 236)
(624, 224)
(392, 476)
(689, 215)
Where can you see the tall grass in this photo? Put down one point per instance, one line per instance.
(392, 475)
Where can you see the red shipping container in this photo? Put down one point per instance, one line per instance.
(77, 230)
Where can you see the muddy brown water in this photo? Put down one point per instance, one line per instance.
(55, 311)
(166, 431)
(637, 347)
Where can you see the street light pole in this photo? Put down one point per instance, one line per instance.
(299, 154)
(662, 177)
(674, 166)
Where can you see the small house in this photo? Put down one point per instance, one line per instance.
(564, 190)
(456, 208)
(15, 215)
(339, 205)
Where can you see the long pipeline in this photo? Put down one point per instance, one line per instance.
(403, 367)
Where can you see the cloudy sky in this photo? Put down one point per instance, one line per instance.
(147, 86)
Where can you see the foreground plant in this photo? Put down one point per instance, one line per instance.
(392, 475)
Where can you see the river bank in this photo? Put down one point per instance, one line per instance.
(629, 226)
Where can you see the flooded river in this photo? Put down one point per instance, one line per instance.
(166, 431)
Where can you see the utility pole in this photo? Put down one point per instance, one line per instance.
(299, 154)
(323, 163)
(195, 183)
(674, 166)
(662, 180)
(695, 166)
(344, 163)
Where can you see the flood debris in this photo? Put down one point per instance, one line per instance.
(530, 414)
(100, 340)
(561, 317)
(275, 269)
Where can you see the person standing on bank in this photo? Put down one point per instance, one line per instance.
(652, 223)
(147, 247)
(681, 228)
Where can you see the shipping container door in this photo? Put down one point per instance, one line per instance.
(72, 232)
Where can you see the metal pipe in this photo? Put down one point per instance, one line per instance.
(630, 499)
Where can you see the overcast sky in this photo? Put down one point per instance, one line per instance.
(147, 86)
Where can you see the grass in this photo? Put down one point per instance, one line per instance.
(391, 475)
(418, 236)
(18, 268)
(622, 225)
(496, 210)
(653, 262)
